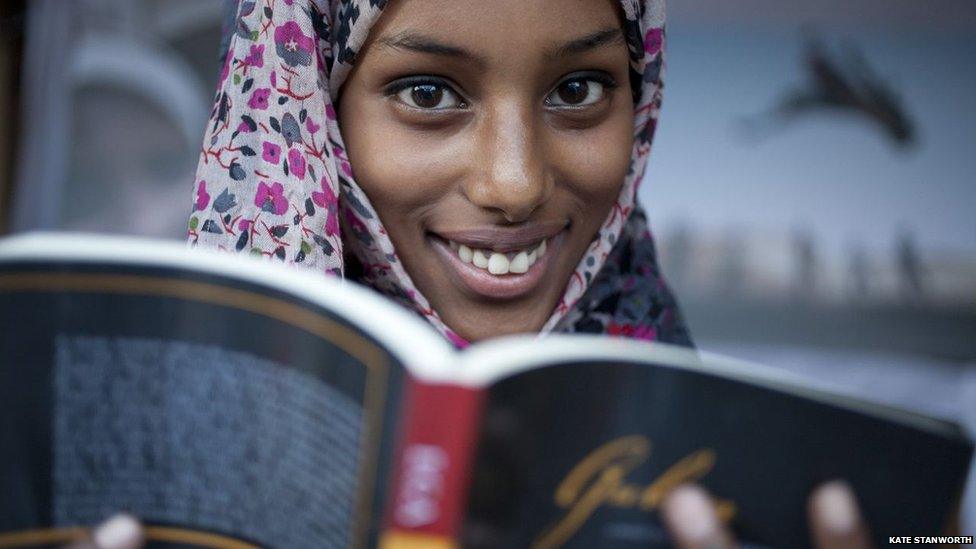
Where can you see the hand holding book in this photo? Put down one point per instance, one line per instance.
(833, 514)
(691, 520)
(121, 531)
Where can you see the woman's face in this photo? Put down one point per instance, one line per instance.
(492, 139)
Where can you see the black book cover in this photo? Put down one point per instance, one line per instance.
(580, 455)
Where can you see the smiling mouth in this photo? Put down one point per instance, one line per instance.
(499, 264)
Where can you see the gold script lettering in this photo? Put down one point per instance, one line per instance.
(599, 480)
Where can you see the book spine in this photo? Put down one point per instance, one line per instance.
(432, 467)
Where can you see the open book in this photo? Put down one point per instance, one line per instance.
(232, 402)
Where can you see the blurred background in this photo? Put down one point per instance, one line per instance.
(812, 185)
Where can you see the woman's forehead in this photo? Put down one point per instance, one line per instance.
(480, 30)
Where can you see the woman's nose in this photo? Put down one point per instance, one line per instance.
(511, 174)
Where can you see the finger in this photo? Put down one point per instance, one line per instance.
(691, 520)
(835, 520)
(119, 532)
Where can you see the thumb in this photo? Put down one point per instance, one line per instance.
(692, 522)
(835, 520)
(119, 532)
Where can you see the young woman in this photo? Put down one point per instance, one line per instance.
(477, 161)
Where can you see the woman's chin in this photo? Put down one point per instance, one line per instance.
(479, 324)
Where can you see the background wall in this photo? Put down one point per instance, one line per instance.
(827, 191)
(116, 96)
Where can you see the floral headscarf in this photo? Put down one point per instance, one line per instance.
(274, 178)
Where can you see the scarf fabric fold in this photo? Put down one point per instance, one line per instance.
(274, 180)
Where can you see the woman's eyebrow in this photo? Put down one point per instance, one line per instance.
(414, 41)
(589, 42)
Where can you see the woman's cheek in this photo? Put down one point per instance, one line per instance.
(401, 169)
(594, 162)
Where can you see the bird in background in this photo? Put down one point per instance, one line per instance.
(848, 86)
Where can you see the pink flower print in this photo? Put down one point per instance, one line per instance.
(620, 329)
(243, 128)
(653, 41)
(296, 162)
(311, 126)
(458, 341)
(332, 222)
(225, 70)
(330, 112)
(203, 197)
(327, 199)
(629, 283)
(356, 226)
(271, 152)
(292, 46)
(259, 99)
(645, 332)
(271, 199)
(640, 331)
(340, 153)
(256, 57)
(244, 224)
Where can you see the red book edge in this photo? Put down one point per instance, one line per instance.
(432, 466)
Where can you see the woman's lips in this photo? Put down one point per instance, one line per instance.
(502, 239)
(480, 280)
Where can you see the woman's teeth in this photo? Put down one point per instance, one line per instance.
(496, 263)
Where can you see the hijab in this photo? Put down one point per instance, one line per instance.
(274, 179)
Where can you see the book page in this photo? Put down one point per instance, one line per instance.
(144, 423)
(221, 413)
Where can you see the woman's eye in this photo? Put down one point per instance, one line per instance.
(577, 92)
(429, 96)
